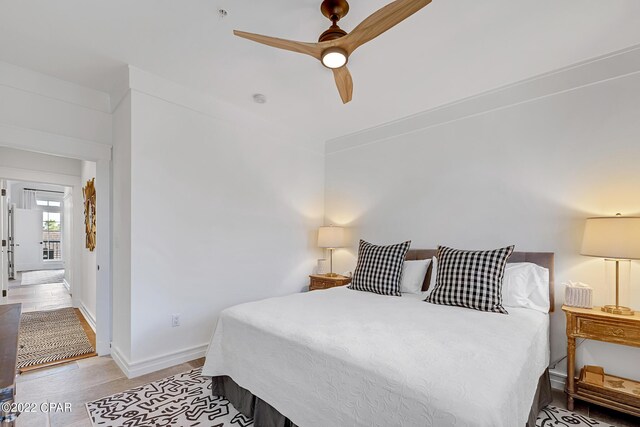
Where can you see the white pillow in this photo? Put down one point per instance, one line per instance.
(434, 273)
(413, 273)
(526, 285)
(432, 281)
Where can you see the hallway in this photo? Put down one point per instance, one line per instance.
(39, 297)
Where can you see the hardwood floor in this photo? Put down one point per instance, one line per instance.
(38, 297)
(89, 379)
(600, 413)
(76, 383)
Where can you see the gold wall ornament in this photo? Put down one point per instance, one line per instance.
(89, 193)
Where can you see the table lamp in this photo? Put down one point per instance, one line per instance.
(613, 238)
(331, 238)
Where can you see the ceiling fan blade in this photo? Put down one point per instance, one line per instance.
(311, 49)
(380, 21)
(344, 83)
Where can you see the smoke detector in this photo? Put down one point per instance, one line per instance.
(259, 98)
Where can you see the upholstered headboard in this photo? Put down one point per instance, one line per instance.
(544, 259)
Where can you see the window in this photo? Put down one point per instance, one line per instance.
(51, 236)
(48, 203)
(51, 205)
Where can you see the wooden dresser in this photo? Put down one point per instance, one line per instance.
(320, 281)
(595, 324)
(9, 329)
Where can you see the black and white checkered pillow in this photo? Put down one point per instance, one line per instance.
(471, 279)
(379, 268)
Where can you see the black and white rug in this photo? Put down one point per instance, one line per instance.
(185, 400)
(42, 277)
(552, 416)
(180, 400)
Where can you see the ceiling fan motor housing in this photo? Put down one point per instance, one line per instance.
(334, 9)
(334, 32)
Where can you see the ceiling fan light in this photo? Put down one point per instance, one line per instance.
(334, 57)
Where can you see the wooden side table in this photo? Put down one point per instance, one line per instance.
(320, 281)
(596, 324)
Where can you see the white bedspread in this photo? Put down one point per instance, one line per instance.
(343, 358)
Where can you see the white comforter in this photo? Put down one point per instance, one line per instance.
(346, 358)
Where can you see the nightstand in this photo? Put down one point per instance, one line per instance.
(320, 281)
(595, 324)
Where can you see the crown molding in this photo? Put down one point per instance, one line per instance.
(54, 144)
(50, 87)
(593, 71)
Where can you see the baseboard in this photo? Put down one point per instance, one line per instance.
(89, 318)
(152, 364)
(66, 285)
(558, 379)
(120, 360)
(39, 267)
(103, 348)
(21, 268)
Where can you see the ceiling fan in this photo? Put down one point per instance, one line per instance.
(336, 45)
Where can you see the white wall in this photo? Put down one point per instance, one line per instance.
(48, 105)
(223, 210)
(89, 264)
(17, 188)
(524, 172)
(121, 345)
(13, 158)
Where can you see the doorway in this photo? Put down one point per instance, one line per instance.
(37, 239)
(62, 161)
(40, 234)
(37, 213)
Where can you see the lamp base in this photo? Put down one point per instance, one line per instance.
(617, 309)
(331, 274)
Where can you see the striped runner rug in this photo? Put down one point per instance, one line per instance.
(51, 336)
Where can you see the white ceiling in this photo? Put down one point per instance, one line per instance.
(450, 50)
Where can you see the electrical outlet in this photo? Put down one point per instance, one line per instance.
(175, 320)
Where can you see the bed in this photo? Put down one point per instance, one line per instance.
(339, 357)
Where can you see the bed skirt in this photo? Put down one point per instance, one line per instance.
(265, 415)
(542, 398)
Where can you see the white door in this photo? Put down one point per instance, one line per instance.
(4, 240)
(28, 239)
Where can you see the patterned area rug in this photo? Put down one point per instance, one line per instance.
(42, 277)
(552, 416)
(49, 336)
(181, 400)
(185, 400)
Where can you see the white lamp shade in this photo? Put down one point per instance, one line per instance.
(612, 237)
(331, 237)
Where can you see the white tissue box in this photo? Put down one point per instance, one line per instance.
(578, 295)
